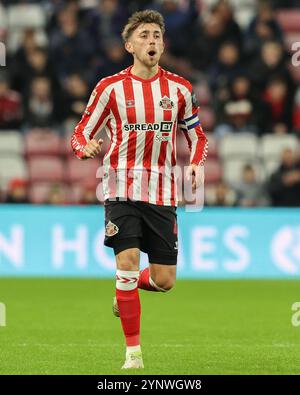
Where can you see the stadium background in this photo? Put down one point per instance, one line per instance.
(238, 55)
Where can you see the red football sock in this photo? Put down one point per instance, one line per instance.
(144, 281)
(129, 306)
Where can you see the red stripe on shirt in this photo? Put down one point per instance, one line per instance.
(101, 119)
(164, 89)
(131, 145)
(114, 157)
(149, 118)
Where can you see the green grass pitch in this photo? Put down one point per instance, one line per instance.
(65, 326)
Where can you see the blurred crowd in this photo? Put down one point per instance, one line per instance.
(237, 54)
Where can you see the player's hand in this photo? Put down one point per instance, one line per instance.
(92, 148)
(196, 173)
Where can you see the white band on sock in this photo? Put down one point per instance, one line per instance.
(152, 283)
(127, 280)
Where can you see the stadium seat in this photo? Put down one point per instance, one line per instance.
(26, 16)
(82, 171)
(15, 39)
(289, 19)
(233, 169)
(243, 145)
(46, 168)
(213, 171)
(11, 142)
(272, 145)
(12, 166)
(41, 142)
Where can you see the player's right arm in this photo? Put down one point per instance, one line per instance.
(84, 141)
(92, 148)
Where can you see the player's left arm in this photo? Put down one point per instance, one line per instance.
(189, 123)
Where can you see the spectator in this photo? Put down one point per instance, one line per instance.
(19, 60)
(10, 105)
(76, 97)
(57, 195)
(179, 22)
(280, 105)
(221, 196)
(105, 22)
(262, 28)
(40, 108)
(296, 112)
(285, 3)
(250, 192)
(284, 186)
(227, 66)
(270, 64)
(71, 47)
(238, 117)
(115, 59)
(207, 36)
(37, 64)
(17, 192)
(241, 89)
(224, 10)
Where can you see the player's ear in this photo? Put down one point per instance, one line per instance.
(128, 47)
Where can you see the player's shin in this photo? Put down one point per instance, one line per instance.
(129, 306)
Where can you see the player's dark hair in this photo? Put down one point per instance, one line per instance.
(140, 17)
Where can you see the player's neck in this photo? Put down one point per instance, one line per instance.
(143, 71)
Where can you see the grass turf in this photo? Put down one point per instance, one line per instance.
(65, 326)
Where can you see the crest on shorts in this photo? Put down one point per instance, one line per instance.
(111, 229)
(166, 103)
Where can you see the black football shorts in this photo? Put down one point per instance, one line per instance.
(149, 227)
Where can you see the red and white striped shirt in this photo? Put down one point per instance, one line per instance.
(140, 117)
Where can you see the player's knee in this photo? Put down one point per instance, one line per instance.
(165, 285)
(128, 260)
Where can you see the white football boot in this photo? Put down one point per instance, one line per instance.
(134, 360)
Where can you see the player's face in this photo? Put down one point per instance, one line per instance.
(146, 44)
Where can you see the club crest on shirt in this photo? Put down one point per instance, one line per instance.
(111, 229)
(130, 103)
(166, 103)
